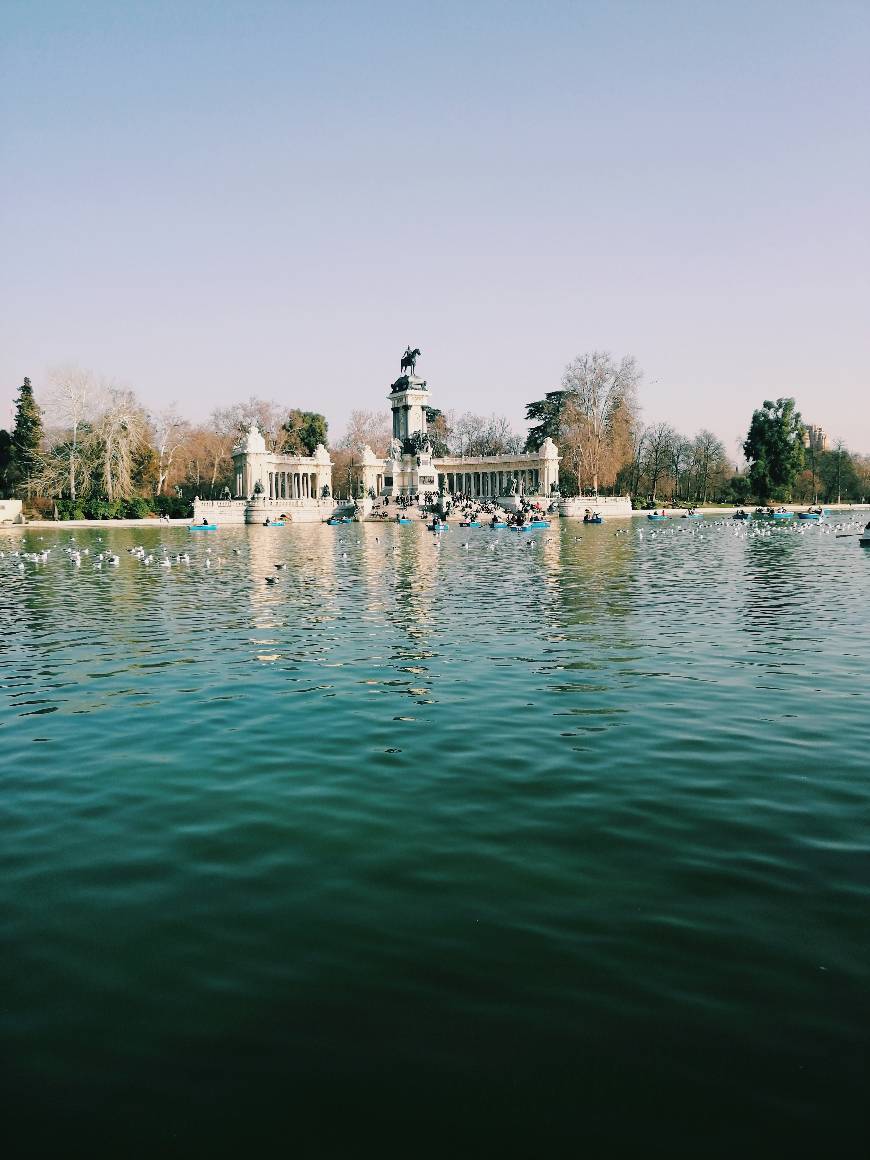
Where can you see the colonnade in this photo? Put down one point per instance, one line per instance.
(492, 484)
(293, 485)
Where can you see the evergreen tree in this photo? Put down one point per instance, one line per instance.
(774, 449)
(302, 431)
(5, 460)
(546, 414)
(26, 436)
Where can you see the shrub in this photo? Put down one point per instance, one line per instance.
(137, 508)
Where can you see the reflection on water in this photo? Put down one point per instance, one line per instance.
(529, 826)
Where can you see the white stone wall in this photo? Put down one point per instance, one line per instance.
(10, 511)
(614, 506)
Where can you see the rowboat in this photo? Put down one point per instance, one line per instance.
(438, 527)
(202, 527)
(783, 515)
(498, 524)
(653, 516)
(273, 523)
(542, 523)
(469, 523)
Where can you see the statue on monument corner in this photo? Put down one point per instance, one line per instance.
(409, 359)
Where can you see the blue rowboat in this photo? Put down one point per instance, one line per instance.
(404, 521)
(783, 515)
(652, 516)
(544, 523)
(273, 524)
(498, 524)
(811, 515)
(469, 523)
(521, 527)
(692, 516)
(438, 527)
(202, 527)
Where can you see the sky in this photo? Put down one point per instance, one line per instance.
(205, 201)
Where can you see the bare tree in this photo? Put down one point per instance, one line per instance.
(120, 430)
(680, 453)
(599, 387)
(708, 461)
(484, 435)
(73, 394)
(659, 440)
(170, 432)
(367, 429)
(265, 414)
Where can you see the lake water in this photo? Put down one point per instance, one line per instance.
(518, 841)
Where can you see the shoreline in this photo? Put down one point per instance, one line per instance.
(158, 523)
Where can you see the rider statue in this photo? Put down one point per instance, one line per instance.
(409, 360)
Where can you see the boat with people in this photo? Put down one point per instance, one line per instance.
(741, 514)
(470, 523)
(591, 517)
(813, 513)
(782, 513)
(691, 514)
(438, 526)
(656, 516)
(496, 524)
(403, 520)
(273, 523)
(205, 526)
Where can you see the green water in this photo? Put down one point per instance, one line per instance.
(521, 843)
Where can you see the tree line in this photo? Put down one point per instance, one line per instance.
(94, 450)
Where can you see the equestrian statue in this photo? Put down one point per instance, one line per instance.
(409, 359)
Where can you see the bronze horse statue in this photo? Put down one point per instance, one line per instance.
(409, 359)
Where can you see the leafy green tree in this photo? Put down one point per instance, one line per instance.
(546, 414)
(774, 449)
(5, 460)
(26, 436)
(302, 431)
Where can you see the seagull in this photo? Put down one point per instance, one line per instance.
(272, 579)
(279, 566)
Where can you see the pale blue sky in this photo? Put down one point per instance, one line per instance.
(210, 200)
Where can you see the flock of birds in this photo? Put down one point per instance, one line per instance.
(680, 529)
(78, 556)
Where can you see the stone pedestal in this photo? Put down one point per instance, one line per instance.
(510, 503)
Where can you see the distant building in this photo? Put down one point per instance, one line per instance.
(816, 438)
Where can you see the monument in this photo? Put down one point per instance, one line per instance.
(409, 470)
